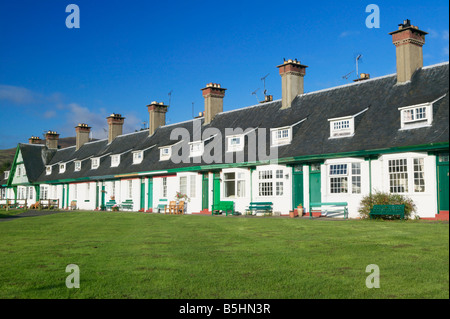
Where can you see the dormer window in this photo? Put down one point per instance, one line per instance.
(115, 160)
(416, 116)
(281, 136)
(48, 170)
(342, 127)
(6, 174)
(138, 156)
(62, 168)
(77, 166)
(196, 149)
(165, 153)
(95, 162)
(235, 143)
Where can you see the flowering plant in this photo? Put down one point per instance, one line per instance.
(180, 196)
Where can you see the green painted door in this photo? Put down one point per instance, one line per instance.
(96, 195)
(150, 193)
(443, 181)
(314, 184)
(205, 191)
(216, 188)
(142, 197)
(297, 186)
(103, 206)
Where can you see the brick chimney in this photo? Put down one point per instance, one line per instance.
(51, 139)
(292, 73)
(213, 95)
(157, 113)
(115, 126)
(34, 140)
(408, 41)
(83, 131)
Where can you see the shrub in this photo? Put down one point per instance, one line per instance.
(382, 198)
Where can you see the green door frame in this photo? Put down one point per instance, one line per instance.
(96, 195)
(216, 188)
(442, 169)
(205, 191)
(150, 193)
(142, 197)
(297, 186)
(316, 192)
(103, 206)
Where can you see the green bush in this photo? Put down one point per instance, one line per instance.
(382, 198)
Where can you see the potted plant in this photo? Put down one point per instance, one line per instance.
(300, 210)
(115, 208)
(179, 196)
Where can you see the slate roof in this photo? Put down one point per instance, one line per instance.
(377, 128)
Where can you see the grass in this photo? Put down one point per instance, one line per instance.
(136, 255)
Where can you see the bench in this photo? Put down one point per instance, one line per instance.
(225, 206)
(128, 204)
(110, 204)
(265, 208)
(387, 210)
(336, 208)
(161, 205)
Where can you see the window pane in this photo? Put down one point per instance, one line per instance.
(279, 188)
(265, 189)
(419, 179)
(338, 185)
(183, 185)
(241, 189)
(398, 176)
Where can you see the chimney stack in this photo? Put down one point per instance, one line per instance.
(34, 140)
(83, 131)
(213, 95)
(115, 125)
(157, 113)
(51, 140)
(408, 41)
(292, 73)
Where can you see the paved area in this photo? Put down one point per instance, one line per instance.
(31, 213)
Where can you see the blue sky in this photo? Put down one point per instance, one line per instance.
(127, 54)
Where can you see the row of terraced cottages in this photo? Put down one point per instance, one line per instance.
(335, 145)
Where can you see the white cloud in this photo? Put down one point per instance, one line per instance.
(348, 33)
(18, 95)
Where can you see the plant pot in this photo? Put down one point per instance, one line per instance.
(292, 214)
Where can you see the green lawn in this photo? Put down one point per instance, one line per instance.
(137, 255)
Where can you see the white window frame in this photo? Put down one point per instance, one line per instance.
(196, 149)
(235, 147)
(62, 168)
(48, 170)
(342, 127)
(411, 183)
(115, 160)
(271, 182)
(414, 121)
(95, 162)
(6, 174)
(281, 135)
(164, 187)
(189, 184)
(77, 166)
(44, 192)
(138, 157)
(165, 153)
(239, 183)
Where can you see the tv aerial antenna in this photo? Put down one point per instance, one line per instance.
(347, 75)
(144, 124)
(264, 80)
(357, 59)
(254, 93)
(170, 97)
